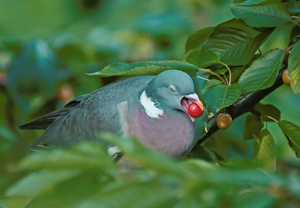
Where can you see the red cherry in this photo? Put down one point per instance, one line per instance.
(286, 58)
(194, 110)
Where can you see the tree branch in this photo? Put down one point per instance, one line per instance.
(242, 106)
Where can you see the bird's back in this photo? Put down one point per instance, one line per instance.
(83, 117)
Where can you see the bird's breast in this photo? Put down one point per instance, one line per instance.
(171, 134)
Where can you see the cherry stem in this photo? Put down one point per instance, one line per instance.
(295, 22)
(209, 71)
(270, 117)
(203, 78)
(295, 17)
(229, 83)
(289, 48)
(225, 78)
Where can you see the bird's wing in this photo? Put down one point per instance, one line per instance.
(83, 117)
(45, 121)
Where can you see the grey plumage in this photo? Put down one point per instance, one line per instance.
(122, 108)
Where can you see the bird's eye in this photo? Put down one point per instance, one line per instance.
(172, 88)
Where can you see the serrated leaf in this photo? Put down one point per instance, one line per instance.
(222, 96)
(144, 68)
(266, 151)
(235, 42)
(270, 15)
(197, 38)
(294, 68)
(292, 133)
(208, 84)
(252, 127)
(268, 110)
(202, 58)
(262, 73)
(38, 182)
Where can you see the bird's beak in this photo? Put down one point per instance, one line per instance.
(187, 100)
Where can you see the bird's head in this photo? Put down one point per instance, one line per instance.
(171, 89)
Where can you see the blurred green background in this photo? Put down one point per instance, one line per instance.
(46, 47)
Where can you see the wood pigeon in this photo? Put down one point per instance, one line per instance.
(153, 109)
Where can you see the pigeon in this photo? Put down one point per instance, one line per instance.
(152, 109)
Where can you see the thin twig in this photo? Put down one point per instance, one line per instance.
(203, 78)
(229, 83)
(270, 117)
(209, 71)
(289, 48)
(295, 22)
(225, 78)
(295, 17)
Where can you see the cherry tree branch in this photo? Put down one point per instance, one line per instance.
(242, 106)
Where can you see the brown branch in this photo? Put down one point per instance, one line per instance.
(242, 106)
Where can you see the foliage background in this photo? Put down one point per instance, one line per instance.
(46, 47)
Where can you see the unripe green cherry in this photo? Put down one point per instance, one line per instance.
(285, 78)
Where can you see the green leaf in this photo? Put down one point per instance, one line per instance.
(84, 156)
(208, 84)
(14, 202)
(262, 73)
(292, 6)
(236, 72)
(250, 200)
(235, 42)
(292, 133)
(257, 2)
(7, 137)
(38, 182)
(202, 58)
(197, 38)
(69, 193)
(133, 195)
(266, 152)
(294, 68)
(144, 68)
(252, 127)
(196, 165)
(268, 110)
(222, 96)
(270, 15)
(203, 153)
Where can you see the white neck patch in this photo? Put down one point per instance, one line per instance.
(151, 110)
